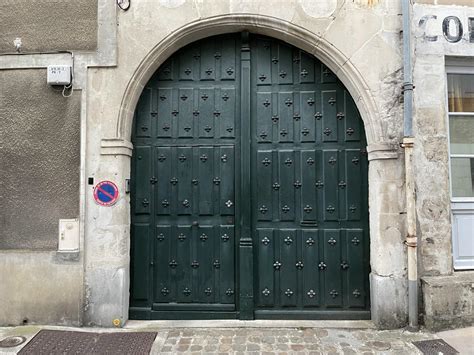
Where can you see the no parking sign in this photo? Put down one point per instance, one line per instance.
(106, 193)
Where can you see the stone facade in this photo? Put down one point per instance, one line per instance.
(446, 293)
(131, 45)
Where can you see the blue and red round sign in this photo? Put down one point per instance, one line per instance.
(106, 193)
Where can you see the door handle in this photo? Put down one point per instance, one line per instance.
(195, 223)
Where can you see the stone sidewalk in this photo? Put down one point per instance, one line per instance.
(258, 337)
(289, 341)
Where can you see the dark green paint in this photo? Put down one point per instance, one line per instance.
(249, 193)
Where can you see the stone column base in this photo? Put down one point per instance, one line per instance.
(389, 306)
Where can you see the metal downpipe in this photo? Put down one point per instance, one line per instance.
(408, 143)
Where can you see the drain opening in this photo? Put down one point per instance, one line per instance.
(11, 342)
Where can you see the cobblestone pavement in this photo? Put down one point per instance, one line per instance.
(255, 340)
(289, 341)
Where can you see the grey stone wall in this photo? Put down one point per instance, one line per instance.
(46, 25)
(40, 159)
(431, 132)
(447, 295)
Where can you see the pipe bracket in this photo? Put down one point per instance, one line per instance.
(411, 241)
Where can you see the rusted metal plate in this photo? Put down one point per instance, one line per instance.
(54, 342)
(435, 347)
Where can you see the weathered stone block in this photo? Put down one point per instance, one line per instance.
(389, 301)
(106, 296)
(448, 300)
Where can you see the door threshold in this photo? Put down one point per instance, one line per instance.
(259, 323)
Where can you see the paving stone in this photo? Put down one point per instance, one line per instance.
(239, 340)
(282, 346)
(213, 341)
(313, 347)
(379, 345)
(297, 347)
(239, 347)
(224, 347)
(174, 333)
(321, 333)
(268, 340)
(253, 347)
(171, 341)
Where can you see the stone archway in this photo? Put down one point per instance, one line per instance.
(384, 171)
(269, 26)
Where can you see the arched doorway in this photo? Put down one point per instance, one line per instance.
(249, 187)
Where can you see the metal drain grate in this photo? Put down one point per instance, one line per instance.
(11, 342)
(55, 342)
(435, 347)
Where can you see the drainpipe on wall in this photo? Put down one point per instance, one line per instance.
(408, 143)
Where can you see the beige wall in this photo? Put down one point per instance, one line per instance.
(48, 25)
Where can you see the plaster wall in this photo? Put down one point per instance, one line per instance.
(48, 25)
(150, 31)
(40, 160)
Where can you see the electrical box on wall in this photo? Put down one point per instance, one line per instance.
(59, 75)
(68, 235)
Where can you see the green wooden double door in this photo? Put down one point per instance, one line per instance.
(249, 187)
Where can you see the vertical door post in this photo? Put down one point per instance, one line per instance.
(245, 243)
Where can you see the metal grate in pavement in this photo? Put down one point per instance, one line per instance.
(435, 347)
(56, 342)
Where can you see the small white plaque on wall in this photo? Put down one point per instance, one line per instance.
(68, 235)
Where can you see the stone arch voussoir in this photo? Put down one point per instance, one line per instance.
(269, 26)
